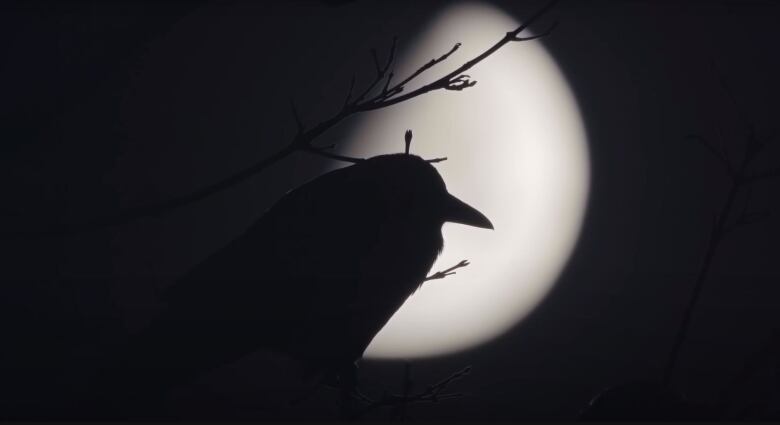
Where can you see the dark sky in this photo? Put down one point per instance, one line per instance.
(108, 105)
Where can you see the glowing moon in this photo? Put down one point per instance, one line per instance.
(517, 152)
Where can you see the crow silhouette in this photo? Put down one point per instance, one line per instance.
(315, 278)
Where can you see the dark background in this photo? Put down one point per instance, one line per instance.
(108, 105)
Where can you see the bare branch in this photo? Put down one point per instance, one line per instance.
(455, 80)
(720, 156)
(433, 393)
(741, 180)
(450, 271)
(298, 122)
(765, 175)
(380, 71)
(544, 33)
(748, 219)
(391, 56)
(399, 87)
(387, 83)
(446, 81)
(324, 153)
(727, 88)
(753, 144)
(153, 210)
(376, 63)
(349, 93)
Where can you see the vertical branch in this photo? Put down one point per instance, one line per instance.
(716, 236)
(739, 179)
(406, 385)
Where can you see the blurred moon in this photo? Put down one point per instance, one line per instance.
(517, 152)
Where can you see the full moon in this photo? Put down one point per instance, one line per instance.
(516, 150)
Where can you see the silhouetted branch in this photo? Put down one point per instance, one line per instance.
(380, 70)
(349, 92)
(433, 393)
(304, 138)
(746, 218)
(765, 175)
(298, 123)
(544, 33)
(153, 210)
(387, 82)
(324, 153)
(450, 271)
(729, 93)
(426, 67)
(740, 179)
(447, 80)
(718, 154)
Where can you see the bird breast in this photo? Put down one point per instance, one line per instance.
(389, 272)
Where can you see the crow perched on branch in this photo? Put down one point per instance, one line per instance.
(316, 277)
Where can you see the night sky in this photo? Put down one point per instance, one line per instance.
(111, 105)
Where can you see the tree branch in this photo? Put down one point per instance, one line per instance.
(741, 179)
(380, 71)
(746, 218)
(433, 393)
(304, 138)
(764, 175)
(720, 156)
(424, 68)
(298, 123)
(447, 80)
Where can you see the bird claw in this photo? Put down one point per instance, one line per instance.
(450, 271)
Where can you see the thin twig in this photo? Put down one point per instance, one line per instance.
(716, 236)
(719, 155)
(349, 92)
(746, 218)
(298, 123)
(740, 179)
(426, 67)
(544, 33)
(765, 175)
(324, 153)
(433, 393)
(380, 71)
(446, 80)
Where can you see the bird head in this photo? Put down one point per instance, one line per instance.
(415, 191)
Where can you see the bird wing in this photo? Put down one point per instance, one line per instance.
(291, 274)
(301, 250)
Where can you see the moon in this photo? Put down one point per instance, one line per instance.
(517, 151)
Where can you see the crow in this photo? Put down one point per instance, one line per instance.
(315, 278)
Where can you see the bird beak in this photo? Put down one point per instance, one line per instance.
(457, 211)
